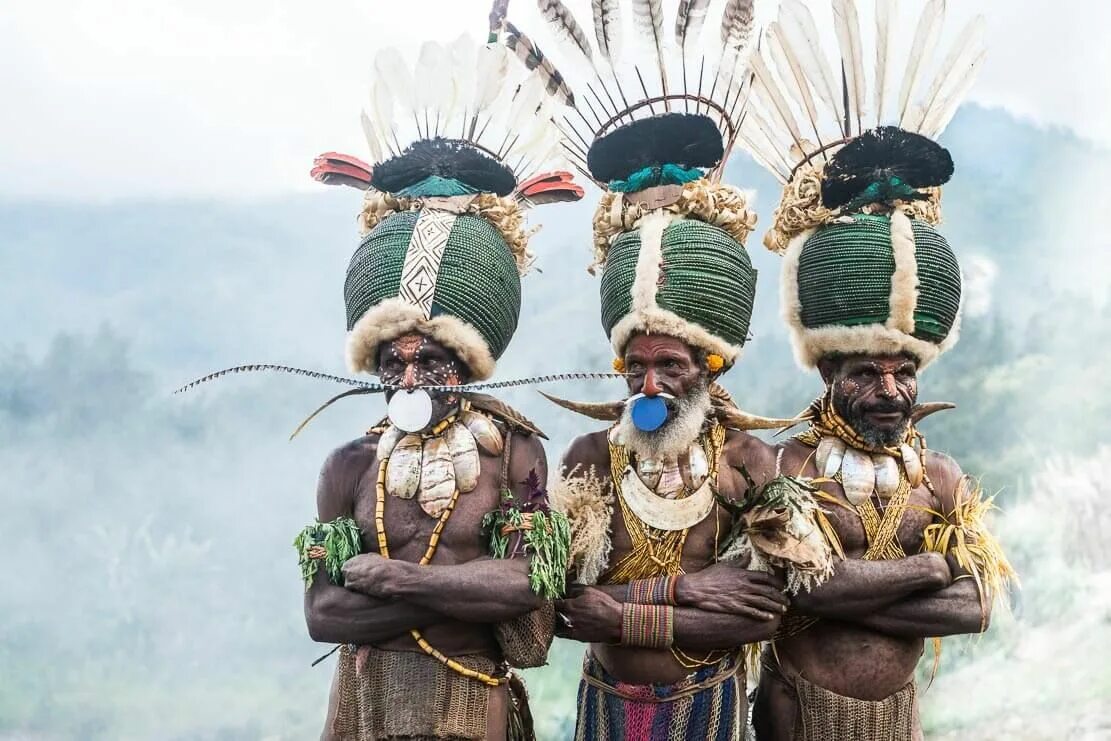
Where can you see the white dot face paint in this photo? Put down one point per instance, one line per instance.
(410, 411)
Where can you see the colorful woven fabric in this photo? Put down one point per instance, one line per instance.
(705, 705)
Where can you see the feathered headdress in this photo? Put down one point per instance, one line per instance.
(851, 136)
(460, 143)
(655, 115)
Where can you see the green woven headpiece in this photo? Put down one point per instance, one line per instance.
(877, 284)
(449, 276)
(679, 277)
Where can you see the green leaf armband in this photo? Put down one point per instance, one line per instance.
(331, 542)
(530, 528)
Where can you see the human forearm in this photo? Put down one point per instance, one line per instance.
(954, 610)
(338, 615)
(704, 630)
(861, 588)
(480, 591)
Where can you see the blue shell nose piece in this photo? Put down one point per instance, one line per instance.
(649, 413)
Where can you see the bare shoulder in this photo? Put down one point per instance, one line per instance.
(526, 456)
(587, 451)
(945, 474)
(793, 457)
(743, 450)
(340, 475)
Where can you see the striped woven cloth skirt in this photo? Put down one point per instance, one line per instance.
(705, 705)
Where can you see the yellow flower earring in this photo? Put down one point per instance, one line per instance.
(714, 362)
(619, 365)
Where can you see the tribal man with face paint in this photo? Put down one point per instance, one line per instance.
(652, 499)
(871, 292)
(435, 557)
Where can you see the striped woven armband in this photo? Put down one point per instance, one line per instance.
(331, 542)
(650, 626)
(657, 590)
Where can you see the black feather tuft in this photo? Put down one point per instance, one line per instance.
(685, 139)
(447, 158)
(878, 156)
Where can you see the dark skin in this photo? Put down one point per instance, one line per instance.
(456, 599)
(875, 615)
(721, 606)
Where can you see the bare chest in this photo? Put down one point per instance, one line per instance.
(409, 530)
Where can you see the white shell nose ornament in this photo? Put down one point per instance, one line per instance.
(410, 411)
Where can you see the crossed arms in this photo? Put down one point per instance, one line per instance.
(384, 598)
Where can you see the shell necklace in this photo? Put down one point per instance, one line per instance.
(432, 467)
(652, 489)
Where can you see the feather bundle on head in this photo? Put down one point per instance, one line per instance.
(804, 108)
(448, 159)
(700, 80)
(887, 160)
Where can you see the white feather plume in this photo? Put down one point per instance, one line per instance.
(793, 76)
(381, 114)
(373, 141)
(798, 27)
(846, 23)
(772, 97)
(464, 55)
(959, 65)
(737, 32)
(689, 20)
(925, 39)
(390, 67)
(885, 9)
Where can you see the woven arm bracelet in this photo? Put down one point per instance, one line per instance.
(650, 626)
(657, 590)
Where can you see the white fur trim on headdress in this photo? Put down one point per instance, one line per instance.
(904, 281)
(395, 317)
(811, 344)
(647, 317)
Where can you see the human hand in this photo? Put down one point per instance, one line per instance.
(725, 587)
(371, 574)
(590, 616)
(934, 569)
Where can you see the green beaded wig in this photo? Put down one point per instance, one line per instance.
(876, 279)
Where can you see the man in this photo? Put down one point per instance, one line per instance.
(434, 556)
(871, 293)
(651, 500)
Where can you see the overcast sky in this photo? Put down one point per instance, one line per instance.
(121, 98)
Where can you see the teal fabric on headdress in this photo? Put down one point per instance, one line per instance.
(435, 186)
(647, 177)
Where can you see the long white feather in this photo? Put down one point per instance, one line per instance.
(791, 73)
(433, 96)
(762, 140)
(885, 9)
(648, 20)
(607, 28)
(490, 72)
(769, 93)
(925, 39)
(798, 28)
(846, 22)
(942, 113)
(390, 67)
(463, 57)
(958, 64)
(373, 141)
(382, 113)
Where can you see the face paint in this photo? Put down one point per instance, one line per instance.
(412, 361)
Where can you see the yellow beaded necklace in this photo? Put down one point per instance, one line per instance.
(433, 542)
